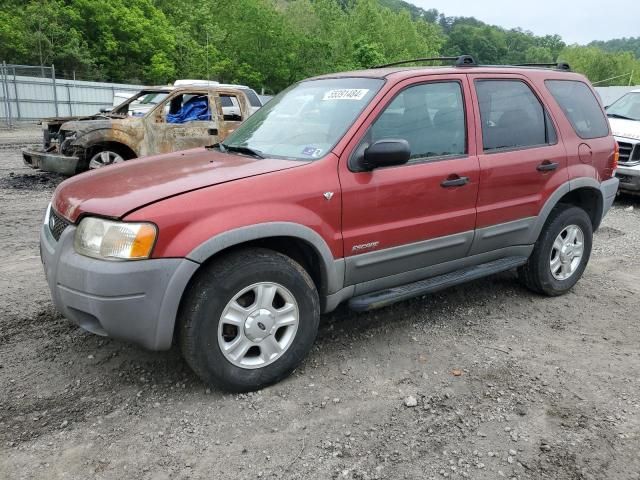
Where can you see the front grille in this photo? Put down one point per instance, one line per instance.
(57, 224)
(629, 153)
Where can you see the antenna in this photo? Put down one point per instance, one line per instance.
(207, 55)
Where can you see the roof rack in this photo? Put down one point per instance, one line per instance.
(469, 61)
(558, 66)
(459, 61)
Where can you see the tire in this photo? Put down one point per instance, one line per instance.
(537, 274)
(216, 314)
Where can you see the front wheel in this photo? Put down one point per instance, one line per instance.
(561, 253)
(249, 319)
(105, 158)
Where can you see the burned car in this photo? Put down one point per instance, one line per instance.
(179, 118)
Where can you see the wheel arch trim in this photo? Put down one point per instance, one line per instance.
(332, 269)
(561, 191)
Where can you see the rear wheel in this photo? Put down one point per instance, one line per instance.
(249, 319)
(561, 253)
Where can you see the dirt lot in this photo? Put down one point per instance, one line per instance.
(507, 383)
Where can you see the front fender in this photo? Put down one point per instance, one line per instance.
(125, 135)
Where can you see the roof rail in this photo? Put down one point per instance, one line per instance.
(558, 66)
(460, 61)
(469, 61)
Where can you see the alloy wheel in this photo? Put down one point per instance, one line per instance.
(567, 252)
(104, 158)
(258, 325)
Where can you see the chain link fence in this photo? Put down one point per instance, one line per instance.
(29, 93)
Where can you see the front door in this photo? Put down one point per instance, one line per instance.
(521, 160)
(405, 218)
(183, 121)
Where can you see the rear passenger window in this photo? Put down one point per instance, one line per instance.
(580, 106)
(512, 116)
(429, 116)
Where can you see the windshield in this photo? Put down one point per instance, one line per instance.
(153, 98)
(139, 104)
(626, 107)
(305, 121)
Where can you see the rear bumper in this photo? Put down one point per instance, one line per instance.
(50, 161)
(629, 178)
(609, 188)
(135, 301)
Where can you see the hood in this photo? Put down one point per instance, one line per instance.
(625, 128)
(62, 120)
(85, 125)
(117, 190)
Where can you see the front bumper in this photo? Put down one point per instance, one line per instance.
(629, 178)
(50, 161)
(135, 301)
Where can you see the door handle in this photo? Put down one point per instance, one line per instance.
(547, 166)
(212, 131)
(454, 181)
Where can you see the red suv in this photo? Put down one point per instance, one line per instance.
(364, 187)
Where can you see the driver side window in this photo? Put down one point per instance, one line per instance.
(430, 117)
(187, 107)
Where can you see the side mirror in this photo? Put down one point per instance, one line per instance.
(383, 153)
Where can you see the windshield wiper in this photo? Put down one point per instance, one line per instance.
(240, 149)
(615, 115)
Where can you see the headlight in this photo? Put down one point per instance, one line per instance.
(110, 240)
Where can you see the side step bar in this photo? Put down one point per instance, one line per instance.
(382, 298)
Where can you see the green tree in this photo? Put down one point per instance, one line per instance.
(488, 45)
(600, 67)
(267, 43)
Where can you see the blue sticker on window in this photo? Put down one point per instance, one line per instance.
(312, 151)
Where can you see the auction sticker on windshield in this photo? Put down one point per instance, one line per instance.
(346, 94)
(312, 151)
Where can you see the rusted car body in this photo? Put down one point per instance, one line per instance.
(72, 145)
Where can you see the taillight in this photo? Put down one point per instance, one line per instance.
(613, 162)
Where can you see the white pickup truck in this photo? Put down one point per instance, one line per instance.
(624, 118)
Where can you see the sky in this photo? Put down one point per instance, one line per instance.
(576, 21)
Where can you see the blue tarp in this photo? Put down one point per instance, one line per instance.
(195, 109)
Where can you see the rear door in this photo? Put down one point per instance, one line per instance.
(398, 220)
(522, 159)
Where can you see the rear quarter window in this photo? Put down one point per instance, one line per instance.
(580, 106)
(254, 101)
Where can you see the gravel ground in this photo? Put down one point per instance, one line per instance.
(486, 381)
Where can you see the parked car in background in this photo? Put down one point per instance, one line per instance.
(624, 118)
(365, 187)
(175, 118)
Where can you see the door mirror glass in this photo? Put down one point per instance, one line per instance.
(385, 153)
